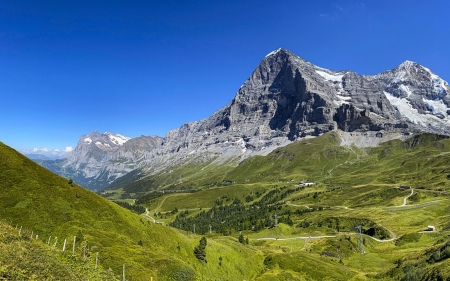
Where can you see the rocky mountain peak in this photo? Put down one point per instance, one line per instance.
(407, 64)
(279, 52)
(285, 98)
(106, 141)
(407, 72)
(410, 70)
(419, 95)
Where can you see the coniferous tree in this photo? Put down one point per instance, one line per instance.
(241, 238)
(200, 250)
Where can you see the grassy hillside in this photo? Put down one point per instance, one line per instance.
(39, 202)
(185, 176)
(420, 161)
(27, 258)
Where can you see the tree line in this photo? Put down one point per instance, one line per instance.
(226, 219)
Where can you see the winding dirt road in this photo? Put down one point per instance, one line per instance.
(404, 199)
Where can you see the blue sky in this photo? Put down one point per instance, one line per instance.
(68, 68)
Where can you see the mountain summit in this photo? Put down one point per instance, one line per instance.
(286, 98)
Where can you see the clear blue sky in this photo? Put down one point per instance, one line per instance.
(68, 68)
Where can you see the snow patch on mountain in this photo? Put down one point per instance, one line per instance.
(273, 52)
(336, 78)
(100, 144)
(437, 107)
(440, 85)
(406, 109)
(405, 90)
(117, 138)
(241, 143)
(331, 77)
(343, 100)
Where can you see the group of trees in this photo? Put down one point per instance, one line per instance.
(138, 209)
(200, 250)
(144, 199)
(440, 253)
(236, 216)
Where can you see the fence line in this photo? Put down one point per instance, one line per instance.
(22, 234)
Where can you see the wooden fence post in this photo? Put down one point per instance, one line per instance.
(123, 275)
(48, 243)
(64, 247)
(96, 260)
(56, 241)
(73, 249)
(20, 230)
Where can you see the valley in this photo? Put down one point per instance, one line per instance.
(224, 140)
(307, 174)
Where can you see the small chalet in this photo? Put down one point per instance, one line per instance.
(303, 183)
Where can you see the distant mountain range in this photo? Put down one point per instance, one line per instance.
(285, 99)
(44, 154)
(35, 156)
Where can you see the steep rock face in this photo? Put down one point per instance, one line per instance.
(287, 98)
(278, 100)
(99, 159)
(284, 99)
(349, 119)
(94, 150)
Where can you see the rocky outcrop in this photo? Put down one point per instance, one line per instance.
(285, 99)
(349, 118)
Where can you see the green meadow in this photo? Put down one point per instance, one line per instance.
(290, 231)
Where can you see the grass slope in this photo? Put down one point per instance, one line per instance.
(39, 202)
(25, 258)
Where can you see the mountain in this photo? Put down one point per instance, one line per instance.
(285, 99)
(98, 158)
